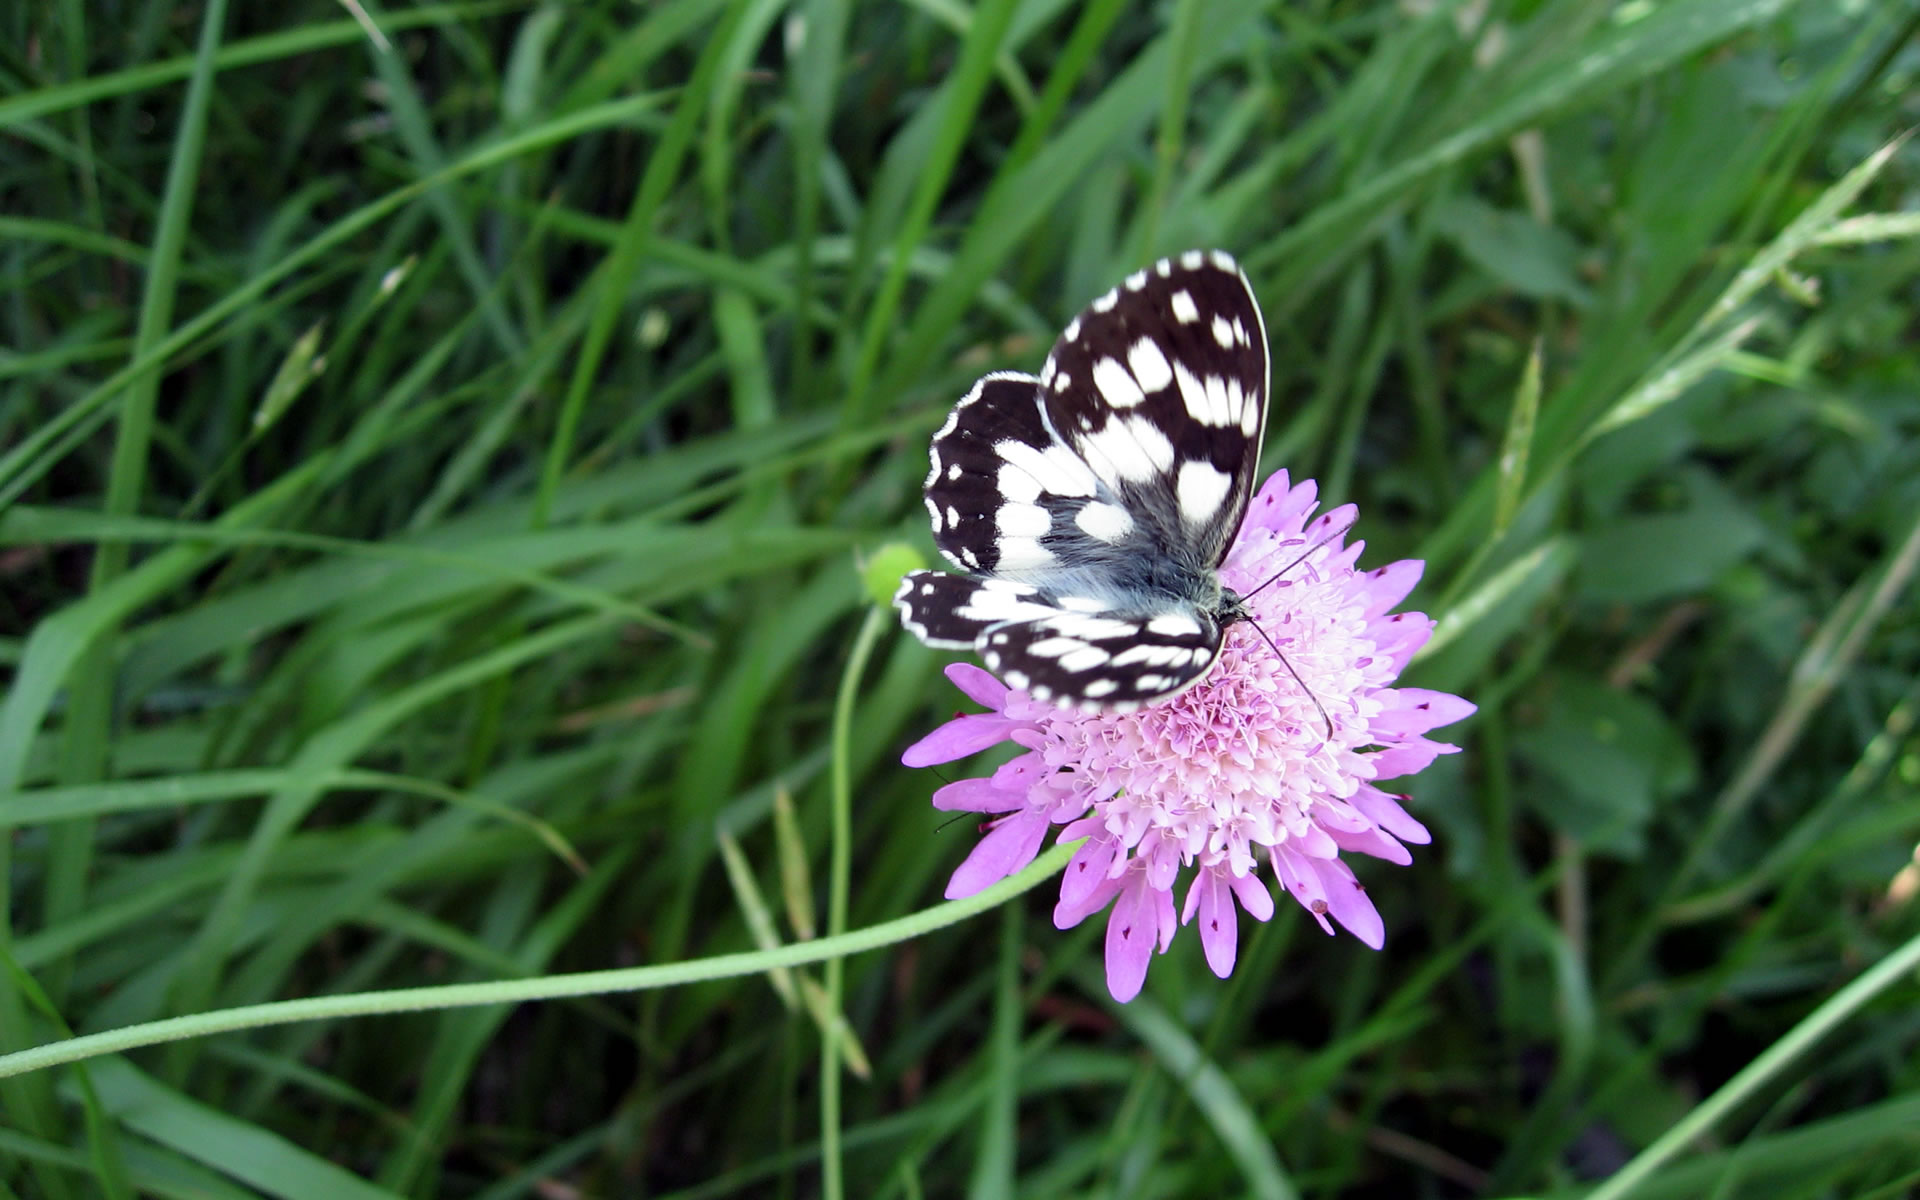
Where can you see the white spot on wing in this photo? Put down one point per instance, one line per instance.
(1224, 261)
(1116, 456)
(1194, 393)
(1218, 403)
(1054, 647)
(1054, 469)
(1085, 604)
(1085, 659)
(953, 472)
(1115, 384)
(1091, 628)
(1136, 281)
(1016, 484)
(1185, 310)
(1223, 333)
(953, 516)
(1192, 259)
(1108, 522)
(1022, 520)
(998, 600)
(1151, 655)
(1153, 443)
(1022, 554)
(1149, 365)
(1073, 331)
(1174, 625)
(1201, 488)
(1163, 268)
(1106, 302)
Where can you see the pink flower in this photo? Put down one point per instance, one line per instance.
(1230, 773)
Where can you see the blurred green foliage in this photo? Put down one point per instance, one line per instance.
(438, 441)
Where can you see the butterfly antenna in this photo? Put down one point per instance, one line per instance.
(1296, 675)
(1296, 562)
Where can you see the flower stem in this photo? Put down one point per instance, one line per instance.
(832, 1185)
(1767, 1068)
(543, 987)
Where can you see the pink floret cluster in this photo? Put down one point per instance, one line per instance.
(1238, 769)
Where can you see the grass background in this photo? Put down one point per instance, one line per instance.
(436, 442)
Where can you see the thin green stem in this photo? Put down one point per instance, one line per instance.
(547, 987)
(839, 871)
(1762, 1070)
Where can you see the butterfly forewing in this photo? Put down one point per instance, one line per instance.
(1093, 504)
(1160, 386)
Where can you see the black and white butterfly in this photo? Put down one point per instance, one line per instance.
(1091, 507)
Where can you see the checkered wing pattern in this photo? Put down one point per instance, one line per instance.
(1091, 505)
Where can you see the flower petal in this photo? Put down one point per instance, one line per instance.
(1219, 927)
(1010, 846)
(1131, 934)
(1282, 508)
(1408, 757)
(1088, 869)
(1021, 772)
(980, 687)
(1268, 505)
(977, 795)
(1384, 810)
(1416, 710)
(1314, 842)
(958, 738)
(1163, 913)
(1389, 585)
(1341, 519)
(1371, 840)
(1396, 637)
(1068, 913)
(1297, 873)
(1349, 903)
(1253, 895)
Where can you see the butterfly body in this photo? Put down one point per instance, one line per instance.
(1091, 505)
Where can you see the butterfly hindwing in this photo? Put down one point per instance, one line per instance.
(1070, 655)
(981, 494)
(1103, 660)
(954, 611)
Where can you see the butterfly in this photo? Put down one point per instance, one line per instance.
(1090, 507)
